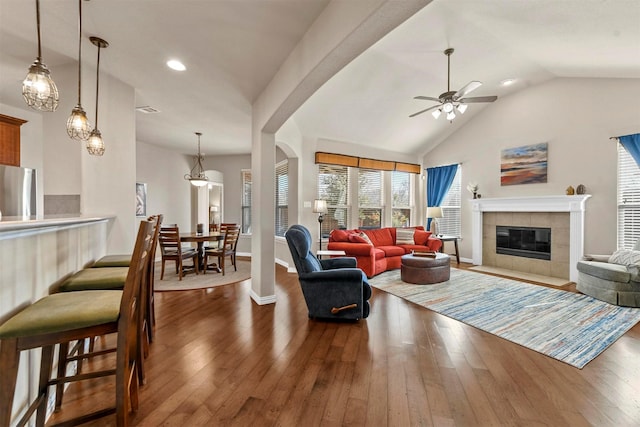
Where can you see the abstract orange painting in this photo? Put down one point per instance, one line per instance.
(524, 165)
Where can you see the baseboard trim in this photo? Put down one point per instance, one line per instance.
(269, 299)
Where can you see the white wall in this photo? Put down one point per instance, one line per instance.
(168, 192)
(575, 117)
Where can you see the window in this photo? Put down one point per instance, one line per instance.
(370, 198)
(282, 197)
(246, 201)
(450, 224)
(333, 186)
(400, 199)
(628, 199)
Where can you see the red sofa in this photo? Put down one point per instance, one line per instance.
(383, 252)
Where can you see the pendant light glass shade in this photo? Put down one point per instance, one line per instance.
(95, 144)
(196, 176)
(38, 88)
(78, 126)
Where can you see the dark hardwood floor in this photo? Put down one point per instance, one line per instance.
(220, 359)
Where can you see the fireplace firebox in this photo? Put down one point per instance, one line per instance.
(529, 242)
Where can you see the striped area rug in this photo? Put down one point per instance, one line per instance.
(569, 327)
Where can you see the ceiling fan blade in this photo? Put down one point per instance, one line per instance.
(478, 99)
(426, 98)
(425, 110)
(468, 88)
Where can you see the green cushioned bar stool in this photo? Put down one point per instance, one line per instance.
(69, 316)
(121, 260)
(96, 279)
(112, 278)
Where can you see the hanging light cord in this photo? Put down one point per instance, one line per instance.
(97, 84)
(38, 25)
(79, 48)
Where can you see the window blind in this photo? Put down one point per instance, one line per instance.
(282, 198)
(628, 200)
(400, 199)
(370, 198)
(246, 201)
(450, 224)
(333, 186)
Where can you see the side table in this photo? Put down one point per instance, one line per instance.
(454, 239)
(320, 254)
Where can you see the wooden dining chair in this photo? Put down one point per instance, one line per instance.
(172, 250)
(228, 248)
(69, 316)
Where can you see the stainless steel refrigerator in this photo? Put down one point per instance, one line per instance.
(17, 191)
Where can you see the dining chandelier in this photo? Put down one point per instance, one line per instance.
(78, 126)
(95, 144)
(38, 88)
(198, 178)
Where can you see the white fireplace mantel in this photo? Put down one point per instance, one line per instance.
(574, 205)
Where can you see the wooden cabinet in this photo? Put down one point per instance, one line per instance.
(10, 140)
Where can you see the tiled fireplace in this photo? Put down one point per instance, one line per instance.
(563, 214)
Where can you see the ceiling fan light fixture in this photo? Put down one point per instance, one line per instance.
(462, 108)
(436, 113)
(451, 115)
(447, 107)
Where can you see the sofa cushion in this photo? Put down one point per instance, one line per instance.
(390, 251)
(380, 237)
(360, 238)
(378, 253)
(404, 236)
(625, 257)
(420, 237)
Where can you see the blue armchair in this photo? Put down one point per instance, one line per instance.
(333, 288)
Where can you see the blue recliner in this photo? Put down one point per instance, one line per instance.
(333, 288)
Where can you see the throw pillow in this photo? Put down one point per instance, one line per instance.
(337, 235)
(360, 238)
(404, 236)
(421, 237)
(625, 257)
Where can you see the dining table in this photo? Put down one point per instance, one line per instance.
(200, 238)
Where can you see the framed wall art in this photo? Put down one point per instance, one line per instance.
(141, 199)
(524, 165)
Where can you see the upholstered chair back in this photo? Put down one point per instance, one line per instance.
(299, 241)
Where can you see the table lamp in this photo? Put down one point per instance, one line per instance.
(320, 207)
(434, 212)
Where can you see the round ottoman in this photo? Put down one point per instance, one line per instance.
(424, 270)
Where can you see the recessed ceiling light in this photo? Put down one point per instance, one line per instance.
(174, 64)
(508, 82)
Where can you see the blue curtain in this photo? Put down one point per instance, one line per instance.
(439, 180)
(631, 143)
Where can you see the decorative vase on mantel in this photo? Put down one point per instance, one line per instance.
(475, 195)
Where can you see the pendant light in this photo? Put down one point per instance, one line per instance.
(198, 179)
(78, 126)
(95, 144)
(38, 89)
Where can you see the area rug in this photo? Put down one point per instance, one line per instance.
(192, 281)
(569, 327)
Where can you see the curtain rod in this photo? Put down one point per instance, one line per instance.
(614, 137)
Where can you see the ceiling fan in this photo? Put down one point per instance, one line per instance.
(450, 101)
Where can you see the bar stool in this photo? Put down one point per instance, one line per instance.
(111, 278)
(63, 317)
(122, 260)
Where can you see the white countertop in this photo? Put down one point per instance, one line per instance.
(13, 226)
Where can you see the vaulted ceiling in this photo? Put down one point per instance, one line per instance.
(233, 48)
